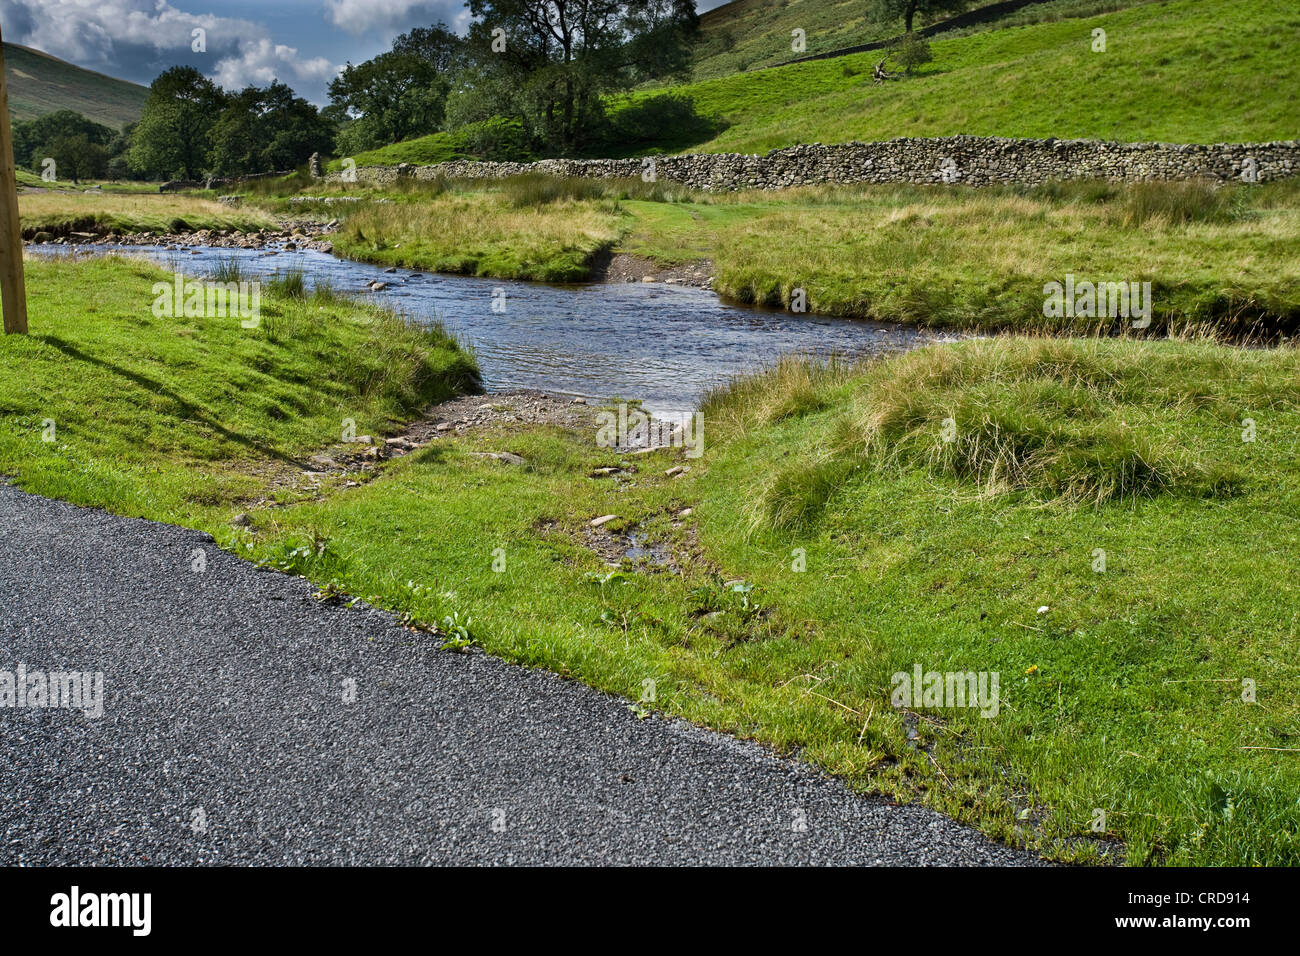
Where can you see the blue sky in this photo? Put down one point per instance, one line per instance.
(300, 42)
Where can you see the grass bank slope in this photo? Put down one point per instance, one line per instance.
(61, 212)
(181, 419)
(1180, 71)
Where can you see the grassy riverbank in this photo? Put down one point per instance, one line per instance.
(61, 212)
(182, 418)
(1098, 533)
(1220, 258)
(1108, 525)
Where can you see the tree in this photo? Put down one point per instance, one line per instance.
(76, 157)
(908, 9)
(910, 51)
(562, 56)
(263, 130)
(30, 138)
(398, 94)
(172, 136)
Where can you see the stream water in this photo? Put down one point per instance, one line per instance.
(664, 344)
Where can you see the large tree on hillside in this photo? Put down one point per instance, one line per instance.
(908, 9)
(560, 57)
(398, 94)
(172, 135)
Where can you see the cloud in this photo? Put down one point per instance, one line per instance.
(259, 61)
(361, 16)
(138, 39)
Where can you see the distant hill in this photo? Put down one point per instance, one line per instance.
(40, 84)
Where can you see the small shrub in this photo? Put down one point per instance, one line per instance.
(910, 51)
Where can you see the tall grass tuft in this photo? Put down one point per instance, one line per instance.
(536, 189)
(228, 270)
(1070, 421)
(291, 284)
(1179, 203)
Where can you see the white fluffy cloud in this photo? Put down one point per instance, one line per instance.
(137, 39)
(360, 16)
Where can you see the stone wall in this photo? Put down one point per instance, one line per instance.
(960, 160)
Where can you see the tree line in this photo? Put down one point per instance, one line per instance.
(529, 77)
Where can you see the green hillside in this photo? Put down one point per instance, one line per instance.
(751, 34)
(1183, 71)
(40, 84)
(1176, 71)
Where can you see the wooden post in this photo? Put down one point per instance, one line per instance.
(13, 292)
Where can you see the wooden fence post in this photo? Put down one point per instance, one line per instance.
(13, 292)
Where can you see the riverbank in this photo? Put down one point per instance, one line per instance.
(1106, 526)
(1197, 258)
(1200, 258)
(177, 417)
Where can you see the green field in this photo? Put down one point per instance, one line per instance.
(753, 34)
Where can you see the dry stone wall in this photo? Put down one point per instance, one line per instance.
(956, 160)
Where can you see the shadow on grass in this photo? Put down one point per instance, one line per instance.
(190, 410)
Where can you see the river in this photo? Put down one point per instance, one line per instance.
(660, 343)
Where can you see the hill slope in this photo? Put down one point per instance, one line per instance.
(41, 84)
(1181, 71)
(1190, 71)
(752, 34)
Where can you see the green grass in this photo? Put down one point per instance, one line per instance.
(61, 212)
(750, 34)
(520, 230)
(422, 151)
(1124, 696)
(182, 419)
(40, 84)
(980, 258)
(1181, 71)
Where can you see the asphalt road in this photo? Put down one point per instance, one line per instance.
(227, 735)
